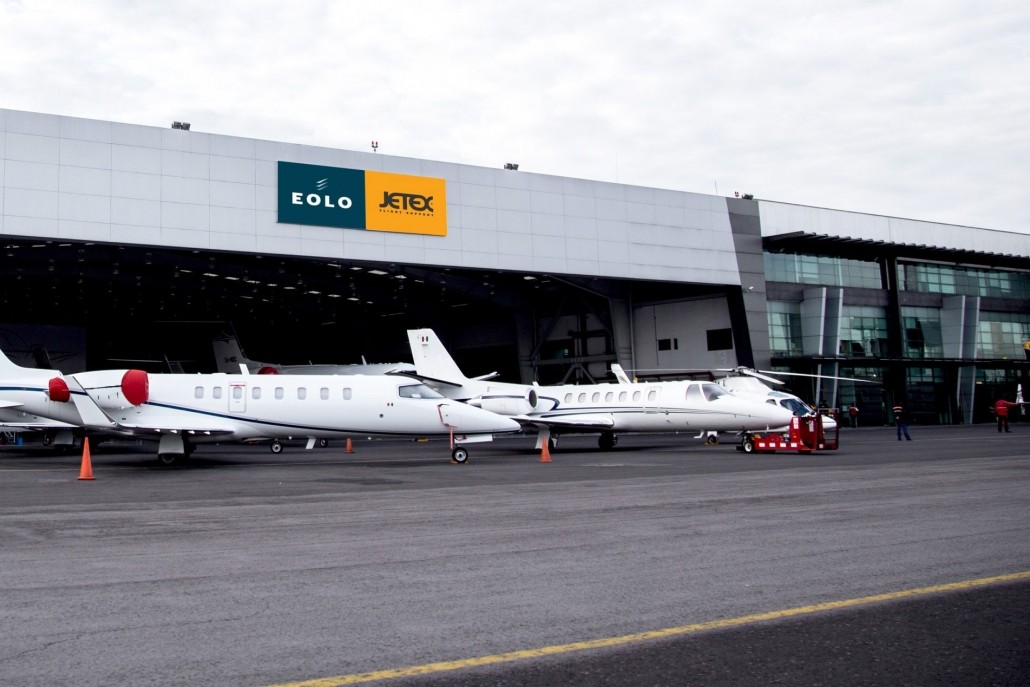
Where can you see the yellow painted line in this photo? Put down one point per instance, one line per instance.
(605, 642)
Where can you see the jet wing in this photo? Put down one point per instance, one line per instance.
(9, 404)
(567, 422)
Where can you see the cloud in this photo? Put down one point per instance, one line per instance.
(915, 109)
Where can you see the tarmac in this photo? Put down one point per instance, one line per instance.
(661, 562)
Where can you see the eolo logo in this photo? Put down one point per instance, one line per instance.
(360, 199)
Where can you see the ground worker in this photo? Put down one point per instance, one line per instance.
(853, 414)
(901, 422)
(1001, 411)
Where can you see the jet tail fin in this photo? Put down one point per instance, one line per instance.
(229, 355)
(9, 369)
(432, 359)
(620, 374)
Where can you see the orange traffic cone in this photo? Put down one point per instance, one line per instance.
(86, 471)
(545, 453)
(350, 446)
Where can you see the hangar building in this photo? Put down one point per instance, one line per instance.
(126, 242)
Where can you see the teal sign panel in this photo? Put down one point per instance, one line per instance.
(321, 196)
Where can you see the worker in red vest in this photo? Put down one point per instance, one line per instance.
(1001, 411)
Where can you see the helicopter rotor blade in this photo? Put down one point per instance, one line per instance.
(803, 374)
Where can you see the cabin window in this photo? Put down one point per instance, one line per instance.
(636, 395)
(198, 392)
(568, 398)
(623, 396)
(255, 393)
(323, 393)
(278, 393)
(609, 397)
(694, 393)
(596, 397)
(302, 393)
(216, 392)
(652, 395)
(346, 393)
(237, 392)
(582, 398)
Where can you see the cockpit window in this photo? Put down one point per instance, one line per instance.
(713, 391)
(797, 407)
(417, 391)
(694, 392)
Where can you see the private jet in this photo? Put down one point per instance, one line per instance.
(605, 408)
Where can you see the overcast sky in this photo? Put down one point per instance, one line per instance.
(915, 109)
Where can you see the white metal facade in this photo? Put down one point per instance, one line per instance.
(84, 180)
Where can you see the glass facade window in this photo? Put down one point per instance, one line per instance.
(921, 331)
(966, 281)
(784, 327)
(822, 270)
(1001, 335)
(863, 331)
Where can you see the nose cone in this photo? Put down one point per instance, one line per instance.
(467, 419)
(778, 416)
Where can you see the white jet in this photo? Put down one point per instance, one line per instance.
(182, 410)
(230, 358)
(21, 390)
(678, 406)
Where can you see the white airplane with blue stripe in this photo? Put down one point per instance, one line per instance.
(181, 411)
(674, 406)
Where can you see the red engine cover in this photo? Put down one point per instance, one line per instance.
(59, 391)
(267, 370)
(136, 387)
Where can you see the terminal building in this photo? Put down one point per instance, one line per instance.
(130, 243)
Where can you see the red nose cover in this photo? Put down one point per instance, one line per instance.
(59, 390)
(136, 387)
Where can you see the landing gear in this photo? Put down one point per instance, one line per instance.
(711, 440)
(459, 455)
(323, 443)
(607, 441)
(276, 447)
(747, 444)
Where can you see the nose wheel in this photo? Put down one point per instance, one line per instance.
(459, 455)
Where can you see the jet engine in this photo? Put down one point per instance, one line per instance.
(506, 404)
(58, 390)
(136, 387)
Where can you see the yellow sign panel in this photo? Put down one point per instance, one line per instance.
(406, 204)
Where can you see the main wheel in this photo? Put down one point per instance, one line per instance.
(459, 455)
(607, 441)
(747, 444)
(277, 447)
(711, 440)
(167, 458)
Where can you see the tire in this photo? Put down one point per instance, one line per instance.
(711, 440)
(748, 444)
(460, 455)
(323, 443)
(276, 447)
(167, 458)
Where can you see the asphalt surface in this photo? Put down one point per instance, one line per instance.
(244, 568)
